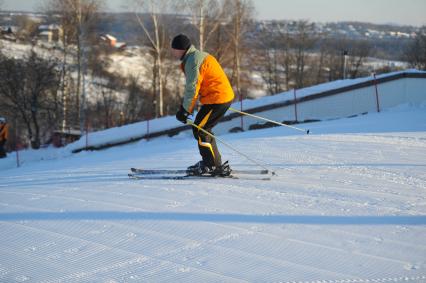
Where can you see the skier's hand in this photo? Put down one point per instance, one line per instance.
(182, 115)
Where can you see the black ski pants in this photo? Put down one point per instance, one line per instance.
(208, 117)
(2, 149)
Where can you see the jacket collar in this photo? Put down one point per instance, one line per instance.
(190, 51)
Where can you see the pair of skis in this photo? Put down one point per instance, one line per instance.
(171, 174)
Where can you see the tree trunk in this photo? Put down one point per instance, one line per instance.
(78, 80)
(35, 140)
(237, 36)
(64, 86)
(159, 65)
(202, 28)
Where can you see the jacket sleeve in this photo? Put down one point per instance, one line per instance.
(192, 86)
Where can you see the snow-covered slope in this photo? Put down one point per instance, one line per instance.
(348, 205)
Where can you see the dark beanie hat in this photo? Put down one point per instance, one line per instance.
(181, 42)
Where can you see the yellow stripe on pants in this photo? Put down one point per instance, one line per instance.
(201, 125)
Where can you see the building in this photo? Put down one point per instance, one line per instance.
(111, 42)
(50, 33)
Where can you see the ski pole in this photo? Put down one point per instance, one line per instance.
(268, 120)
(190, 122)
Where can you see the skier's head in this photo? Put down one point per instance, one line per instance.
(180, 44)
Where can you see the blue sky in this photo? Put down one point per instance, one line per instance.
(404, 12)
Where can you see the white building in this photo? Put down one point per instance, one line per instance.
(50, 33)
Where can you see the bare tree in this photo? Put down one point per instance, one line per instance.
(270, 70)
(358, 53)
(28, 27)
(106, 106)
(267, 58)
(332, 58)
(321, 59)
(134, 102)
(220, 43)
(304, 41)
(268, 61)
(29, 90)
(78, 18)
(415, 53)
(286, 58)
(240, 16)
(207, 17)
(1, 5)
(156, 41)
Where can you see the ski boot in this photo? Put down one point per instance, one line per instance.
(199, 169)
(222, 171)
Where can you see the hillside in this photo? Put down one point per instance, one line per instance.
(348, 205)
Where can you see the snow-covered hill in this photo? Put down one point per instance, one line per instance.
(348, 205)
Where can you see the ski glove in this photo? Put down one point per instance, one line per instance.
(182, 115)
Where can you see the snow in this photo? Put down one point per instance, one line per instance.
(134, 62)
(348, 205)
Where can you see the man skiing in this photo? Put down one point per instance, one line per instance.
(4, 135)
(207, 82)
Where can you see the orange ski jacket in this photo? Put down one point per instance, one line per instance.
(205, 80)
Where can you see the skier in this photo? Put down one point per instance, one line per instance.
(206, 81)
(4, 135)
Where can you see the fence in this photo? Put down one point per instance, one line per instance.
(362, 96)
